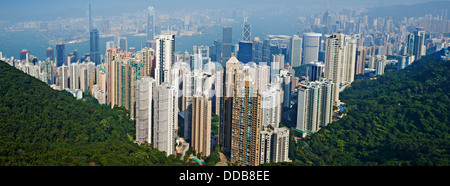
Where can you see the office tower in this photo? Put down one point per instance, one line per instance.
(246, 31)
(49, 53)
(90, 18)
(218, 51)
(286, 85)
(315, 71)
(296, 51)
(212, 53)
(148, 61)
(266, 54)
(310, 47)
(258, 50)
(164, 118)
(76, 55)
(348, 62)
(201, 125)
(60, 53)
(333, 58)
(144, 114)
(278, 61)
(245, 53)
(150, 23)
(95, 46)
(315, 106)
(203, 56)
(165, 57)
(360, 60)
(226, 43)
(23, 55)
(246, 123)
(123, 44)
(419, 43)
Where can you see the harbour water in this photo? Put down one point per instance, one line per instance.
(11, 43)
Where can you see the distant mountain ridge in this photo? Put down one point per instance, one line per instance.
(397, 12)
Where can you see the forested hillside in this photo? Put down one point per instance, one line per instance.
(400, 118)
(40, 126)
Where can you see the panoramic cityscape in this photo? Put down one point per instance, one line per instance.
(298, 83)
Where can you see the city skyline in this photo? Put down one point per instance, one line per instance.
(249, 87)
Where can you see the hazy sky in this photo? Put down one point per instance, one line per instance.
(49, 9)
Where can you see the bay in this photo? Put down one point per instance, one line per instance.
(11, 43)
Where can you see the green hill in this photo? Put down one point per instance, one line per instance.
(40, 126)
(401, 118)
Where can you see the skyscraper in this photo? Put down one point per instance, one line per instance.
(165, 57)
(23, 55)
(315, 106)
(201, 125)
(296, 51)
(333, 58)
(49, 53)
(310, 47)
(144, 107)
(348, 62)
(258, 52)
(95, 46)
(227, 42)
(245, 53)
(148, 61)
(90, 19)
(419, 43)
(123, 44)
(360, 60)
(246, 123)
(226, 103)
(150, 23)
(60, 53)
(164, 117)
(246, 31)
(315, 71)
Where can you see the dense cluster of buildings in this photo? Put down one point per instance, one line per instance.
(248, 85)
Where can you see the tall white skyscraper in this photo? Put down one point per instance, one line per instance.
(165, 114)
(165, 57)
(296, 51)
(144, 100)
(310, 47)
(348, 62)
(150, 23)
(271, 107)
(333, 58)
